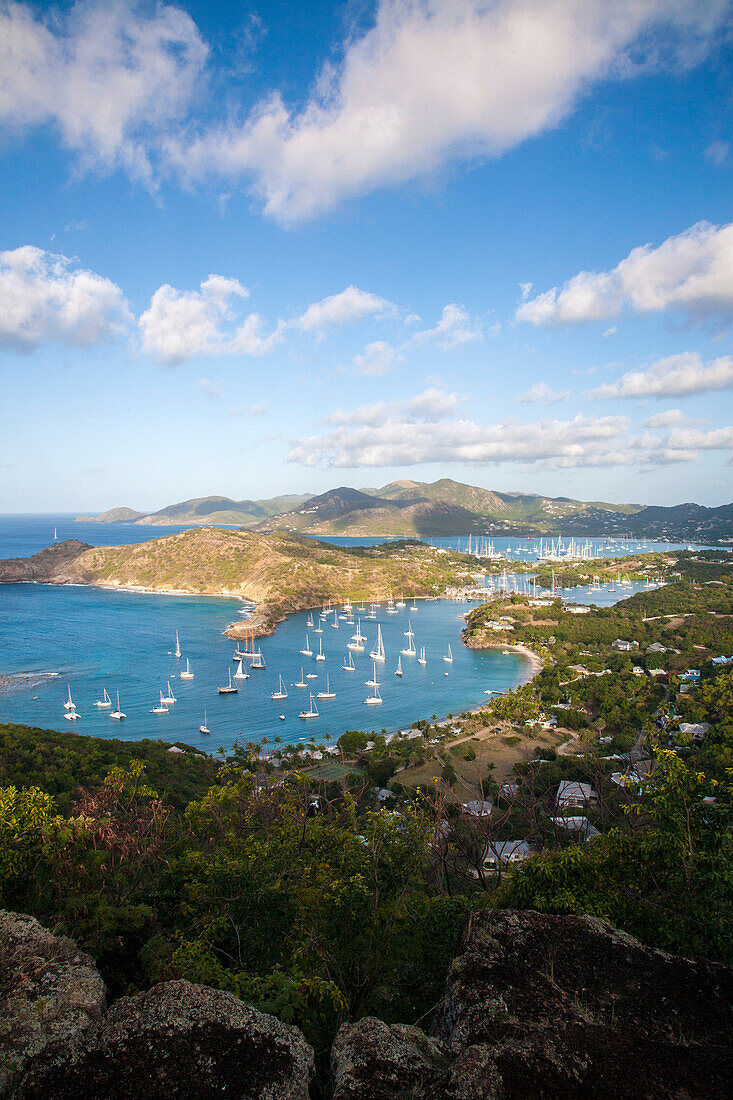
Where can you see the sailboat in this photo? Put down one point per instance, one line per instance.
(401, 602)
(240, 674)
(327, 694)
(117, 714)
(258, 661)
(69, 704)
(390, 609)
(178, 646)
(422, 659)
(170, 697)
(348, 665)
(188, 675)
(307, 652)
(105, 701)
(71, 715)
(320, 655)
(378, 654)
(161, 707)
(230, 688)
(312, 711)
(311, 675)
(398, 670)
(55, 535)
(448, 656)
(374, 699)
(410, 651)
(374, 682)
(413, 605)
(372, 612)
(335, 623)
(301, 682)
(281, 693)
(204, 728)
(309, 622)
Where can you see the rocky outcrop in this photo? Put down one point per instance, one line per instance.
(177, 1041)
(49, 992)
(45, 566)
(556, 1007)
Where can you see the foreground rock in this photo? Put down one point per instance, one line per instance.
(49, 991)
(555, 1008)
(178, 1041)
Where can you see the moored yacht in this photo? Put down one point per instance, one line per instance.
(105, 701)
(281, 693)
(117, 714)
(230, 688)
(187, 675)
(312, 711)
(327, 694)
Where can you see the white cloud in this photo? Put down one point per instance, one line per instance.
(110, 76)
(665, 419)
(454, 329)
(262, 408)
(692, 272)
(610, 332)
(344, 308)
(209, 388)
(526, 289)
(377, 358)
(676, 376)
(429, 406)
(717, 152)
(542, 394)
(383, 436)
(43, 297)
(436, 80)
(181, 324)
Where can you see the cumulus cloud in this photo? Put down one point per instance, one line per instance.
(344, 308)
(675, 376)
(430, 405)
(181, 324)
(44, 297)
(692, 272)
(542, 394)
(436, 80)
(110, 76)
(377, 358)
(455, 328)
(665, 419)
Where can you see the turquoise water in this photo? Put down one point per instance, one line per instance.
(93, 639)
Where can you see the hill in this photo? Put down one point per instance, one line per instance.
(204, 511)
(279, 572)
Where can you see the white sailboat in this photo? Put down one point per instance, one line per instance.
(230, 688)
(309, 622)
(348, 665)
(55, 535)
(409, 634)
(178, 646)
(170, 698)
(301, 682)
(188, 675)
(105, 701)
(71, 715)
(378, 654)
(413, 605)
(401, 602)
(374, 682)
(422, 659)
(258, 661)
(448, 658)
(281, 693)
(69, 704)
(312, 711)
(311, 675)
(307, 651)
(161, 707)
(390, 609)
(320, 655)
(117, 714)
(374, 699)
(204, 728)
(398, 670)
(240, 674)
(327, 694)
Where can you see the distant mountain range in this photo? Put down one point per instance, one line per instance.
(445, 507)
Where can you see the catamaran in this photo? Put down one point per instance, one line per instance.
(178, 646)
(320, 655)
(422, 659)
(230, 688)
(204, 728)
(448, 656)
(187, 675)
(117, 714)
(378, 654)
(170, 697)
(374, 698)
(71, 715)
(105, 701)
(348, 665)
(398, 670)
(240, 674)
(312, 711)
(327, 694)
(161, 707)
(374, 682)
(69, 704)
(301, 682)
(281, 693)
(307, 652)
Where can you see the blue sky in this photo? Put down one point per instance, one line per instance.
(273, 248)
